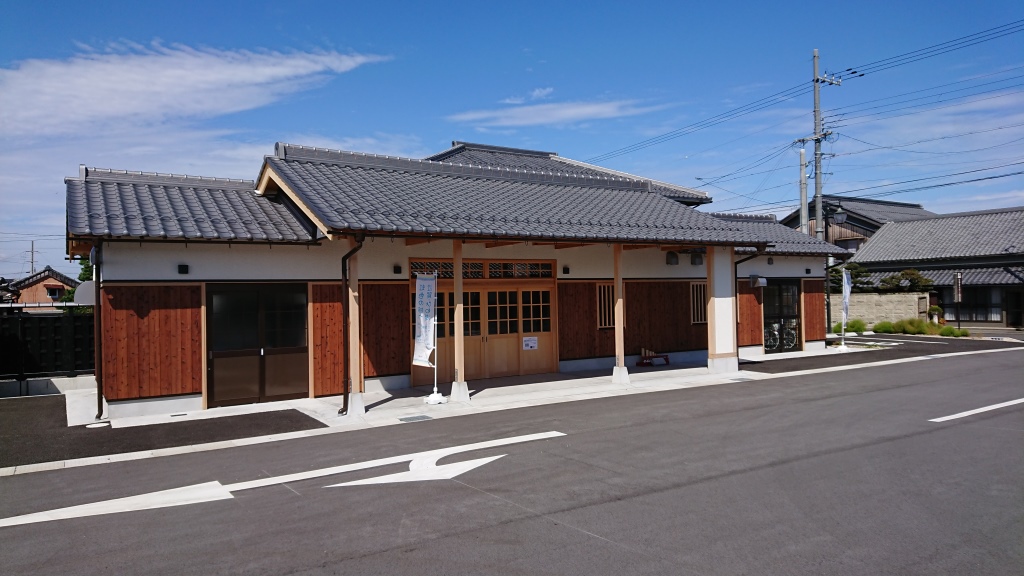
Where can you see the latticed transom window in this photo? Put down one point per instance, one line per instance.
(519, 270)
(503, 312)
(606, 305)
(476, 269)
(698, 302)
(443, 269)
(536, 311)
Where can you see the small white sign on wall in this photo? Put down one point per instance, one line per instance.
(529, 342)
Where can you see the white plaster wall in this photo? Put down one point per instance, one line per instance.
(126, 261)
(379, 256)
(722, 292)
(782, 267)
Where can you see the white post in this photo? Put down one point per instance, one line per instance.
(722, 353)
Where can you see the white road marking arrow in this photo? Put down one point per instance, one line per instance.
(422, 466)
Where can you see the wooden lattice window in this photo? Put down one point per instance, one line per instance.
(606, 305)
(699, 302)
(536, 311)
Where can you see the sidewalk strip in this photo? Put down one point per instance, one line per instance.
(978, 410)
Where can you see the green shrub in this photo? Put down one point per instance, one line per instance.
(947, 331)
(964, 332)
(884, 328)
(935, 310)
(855, 325)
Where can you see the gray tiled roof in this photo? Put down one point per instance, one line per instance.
(988, 233)
(785, 239)
(1006, 275)
(115, 204)
(351, 192)
(878, 211)
(536, 161)
(43, 274)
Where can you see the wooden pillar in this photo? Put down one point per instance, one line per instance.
(723, 355)
(355, 341)
(460, 389)
(619, 374)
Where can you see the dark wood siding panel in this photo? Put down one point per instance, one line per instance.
(658, 318)
(327, 339)
(578, 336)
(386, 329)
(750, 324)
(152, 345)
(814, 309)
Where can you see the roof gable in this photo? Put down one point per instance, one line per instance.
(351, 192)
(41, 276)
(877, 212)
(783, 240)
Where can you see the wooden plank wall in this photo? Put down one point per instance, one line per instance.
(814, 309)
(152, 341)
(578, 336)
(658, 318)
(327, 339)
(386, 329)
(750, 323)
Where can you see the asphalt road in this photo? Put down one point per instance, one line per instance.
(833, 473)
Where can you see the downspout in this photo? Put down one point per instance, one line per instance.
(97, 337)
(345, 320)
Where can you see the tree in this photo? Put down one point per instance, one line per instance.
(909, 280)
(858, 278)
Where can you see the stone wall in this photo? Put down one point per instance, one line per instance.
(873, 307)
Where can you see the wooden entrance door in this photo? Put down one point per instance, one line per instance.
(501, 342)
(472, 329)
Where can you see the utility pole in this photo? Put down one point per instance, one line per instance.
(819, 135)
(32, 258)
(804, 224)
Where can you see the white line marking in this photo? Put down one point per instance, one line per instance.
(422, 466)
(977, 410)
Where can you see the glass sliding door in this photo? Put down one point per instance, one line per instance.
(256, 342)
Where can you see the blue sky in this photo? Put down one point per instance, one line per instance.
(206, 88)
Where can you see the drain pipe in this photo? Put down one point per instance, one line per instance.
(97, 337)
(345, 319)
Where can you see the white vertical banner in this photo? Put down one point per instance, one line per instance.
(847, 285)
(426, 305)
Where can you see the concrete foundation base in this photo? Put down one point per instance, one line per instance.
(387, 383)
(460, 392)
(356, 407)
(154, 406)
(620, 375)
(43, 386)
(721, 365)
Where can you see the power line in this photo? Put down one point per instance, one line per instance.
(844, 125)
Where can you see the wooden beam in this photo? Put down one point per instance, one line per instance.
(415, 241)
(295, 198)
(620, 308)
(500, 244)
(637, 246)
(564, 245)
(460, 338)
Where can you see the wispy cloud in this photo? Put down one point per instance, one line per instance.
(552, 114)
(135, 84)
(535, 94)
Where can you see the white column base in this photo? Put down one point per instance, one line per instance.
(620, 375)
(435, 398)
(460, 392)
(355, 404)
(721, 365)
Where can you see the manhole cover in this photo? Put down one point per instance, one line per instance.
(419, 418)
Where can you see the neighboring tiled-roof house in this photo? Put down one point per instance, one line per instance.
(536, 161)
(43, 287)
(987, 247)
(864, 218)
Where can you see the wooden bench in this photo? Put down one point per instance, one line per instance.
(647, 357)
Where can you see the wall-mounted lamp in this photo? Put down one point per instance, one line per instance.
(771, 260)
(671, 258)
(696, 259)
(565, 270)
(182, 268)
(397, 269)
(807, 270)
(757, 281)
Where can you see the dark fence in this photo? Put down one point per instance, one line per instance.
(36, 346)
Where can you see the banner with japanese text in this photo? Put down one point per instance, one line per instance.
(423, 345)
